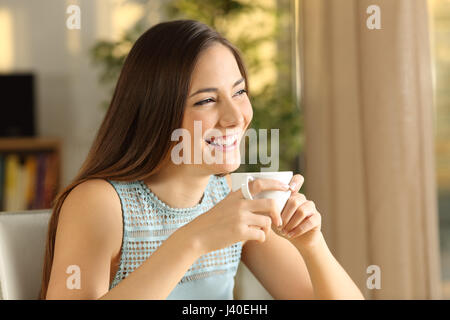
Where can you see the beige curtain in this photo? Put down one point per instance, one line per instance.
(367, 99)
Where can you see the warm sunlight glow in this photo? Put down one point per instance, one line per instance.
(254, 24)
(124, 16)
(6, 41)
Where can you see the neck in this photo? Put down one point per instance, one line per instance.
(178, 186)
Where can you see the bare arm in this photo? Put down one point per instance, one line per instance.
(279, 267)
(329, 279)
(159, 274)
(89, 236)
(298, 269)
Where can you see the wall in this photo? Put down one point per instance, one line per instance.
(68, 97)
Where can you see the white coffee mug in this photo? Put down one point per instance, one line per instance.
(240, 180)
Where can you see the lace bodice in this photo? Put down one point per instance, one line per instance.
(148, 221)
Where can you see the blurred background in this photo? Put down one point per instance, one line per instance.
(440, 32)
(56, 83)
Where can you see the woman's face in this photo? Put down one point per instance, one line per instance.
(218, 106)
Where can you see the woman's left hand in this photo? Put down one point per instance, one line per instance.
(301, 220)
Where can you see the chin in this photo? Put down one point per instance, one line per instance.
(223, 168)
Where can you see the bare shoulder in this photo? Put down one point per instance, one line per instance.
(94, 205)
(89, 236)
(94, 196)
(95, 190)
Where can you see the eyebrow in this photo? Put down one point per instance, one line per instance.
(214, 89)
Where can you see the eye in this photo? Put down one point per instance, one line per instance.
(240, 92)
(203, 102)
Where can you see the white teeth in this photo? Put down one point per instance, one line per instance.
(224, 141)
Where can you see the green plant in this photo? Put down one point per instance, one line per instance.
(274, 104)
(110, 56)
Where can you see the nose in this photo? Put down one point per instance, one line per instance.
(231, 114)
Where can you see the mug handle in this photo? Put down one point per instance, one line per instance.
(244, 188)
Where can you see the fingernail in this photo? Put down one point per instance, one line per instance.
(292, 186)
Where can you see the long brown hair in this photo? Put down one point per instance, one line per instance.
(133, 141)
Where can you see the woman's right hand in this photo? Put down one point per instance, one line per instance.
(236, 219)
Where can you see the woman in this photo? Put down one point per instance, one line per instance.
(136, 225)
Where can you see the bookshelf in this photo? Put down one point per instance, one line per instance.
(30, 171)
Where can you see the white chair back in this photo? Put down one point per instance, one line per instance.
(22, 248)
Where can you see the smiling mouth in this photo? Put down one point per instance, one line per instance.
(224, 143)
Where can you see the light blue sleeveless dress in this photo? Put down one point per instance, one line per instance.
(148, 221)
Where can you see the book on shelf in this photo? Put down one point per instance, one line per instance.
(2, 179)
(30, 168)
(27, 181)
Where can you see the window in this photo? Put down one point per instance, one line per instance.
(440, 35)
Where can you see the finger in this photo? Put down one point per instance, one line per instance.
(256, 233)
(307, 225)
(267, 207)
(296, 183)
(303, 212)
(295, 201)
(259, 185)
(258, 220)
